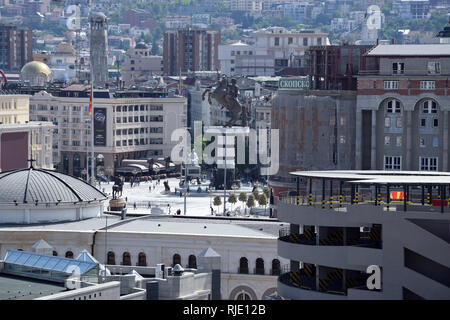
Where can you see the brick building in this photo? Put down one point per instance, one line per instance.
(15, 47)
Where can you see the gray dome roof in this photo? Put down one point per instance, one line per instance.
(45, 186)
(141, 45)
(98, 16)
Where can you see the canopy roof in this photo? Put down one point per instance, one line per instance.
(380, 177)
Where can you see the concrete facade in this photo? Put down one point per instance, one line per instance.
(99, 49)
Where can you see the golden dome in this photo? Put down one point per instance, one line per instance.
(35, 68)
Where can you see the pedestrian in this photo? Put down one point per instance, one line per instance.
(149, 188)
(212, 210)
(126, 199)
(168, 205)
(178, 212)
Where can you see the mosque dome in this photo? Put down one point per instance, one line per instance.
(36, 73)
(38, 195)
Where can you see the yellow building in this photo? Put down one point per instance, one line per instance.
(14, 108)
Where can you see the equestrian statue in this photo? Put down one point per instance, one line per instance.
(227, 97)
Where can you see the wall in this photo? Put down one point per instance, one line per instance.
(106, 291)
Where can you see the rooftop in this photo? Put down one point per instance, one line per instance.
(20, 288)
(411, 50)
(380, 177)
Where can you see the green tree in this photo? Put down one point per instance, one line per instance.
(217, 202)
(232, 199)
(266, 191)
(251, 201)
(262, 201)
(243, 199)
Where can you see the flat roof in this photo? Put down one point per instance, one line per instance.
(410, 50)
(21, 288)
(190, 228)
(380, 177)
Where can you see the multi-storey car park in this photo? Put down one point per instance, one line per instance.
(396, 221)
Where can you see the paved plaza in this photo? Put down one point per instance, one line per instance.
(197, 204)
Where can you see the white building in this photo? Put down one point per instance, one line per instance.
(140, 65)
(245, 60)
(138, 125)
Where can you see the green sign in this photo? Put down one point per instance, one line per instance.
(293, 83)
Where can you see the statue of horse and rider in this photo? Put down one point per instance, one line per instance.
(117, 187)
(227, 97)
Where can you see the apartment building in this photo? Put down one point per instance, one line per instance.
(130, 124)
(402, 116)
(140, 65)
(15, 47)
(190, 50)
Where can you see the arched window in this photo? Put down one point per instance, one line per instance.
(243, 296)
(55, 253)
(243, 265)
(126, 259)
(69, 254)
(259, 266)
(429, 106)
(275, 267)
(393, 106)
(176, 259)
(111, 258)
(192, 262)
(142, 259)
(76, 165)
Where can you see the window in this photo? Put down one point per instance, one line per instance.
(391, 85)
(399, 122)
(232, 53)
(398, 68)
(427, 85)
(387, 140)
(428, 164)
(243, 265)
(126, 259)
(243, 296)
(435, 122)
(275, 267)
(429, 106)
(259, 266)
(399, 141)
(118, 143)
(132, 61)
(393, 106)
(192, 263)
(435, 142)
(387, 122)
(142, 259)
(392, 163)
(434, 67)
(69, 254)
(423, 122)
(277, 41)
(290, 40)
(319, 41)
(305, 41)
(176, 259)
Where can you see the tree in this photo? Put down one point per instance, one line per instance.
(266, 191)
(232, 199)
(262, 201)
(243, 199)
(217, 202)
(251, 201)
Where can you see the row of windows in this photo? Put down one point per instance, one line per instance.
(139, 119)
(138, 108)
(398, 141)
(433, 67)
(425, 163)
(119, 132)
(393, 85)
(427, 107)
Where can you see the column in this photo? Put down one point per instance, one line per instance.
(444, 166)
(407, 164)
(358, 151)
(373, 146)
